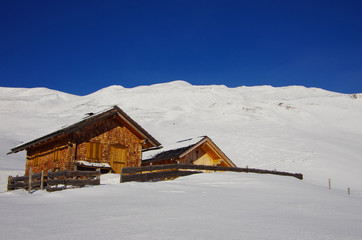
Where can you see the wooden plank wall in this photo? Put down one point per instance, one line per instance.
(62, 152)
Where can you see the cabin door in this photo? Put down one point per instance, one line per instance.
(118, 158)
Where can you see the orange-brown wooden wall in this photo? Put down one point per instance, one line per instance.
(43, 155)
(112, 135)
(73, 147)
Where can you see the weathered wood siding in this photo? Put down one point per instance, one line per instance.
(52, 155)
(108, 133)
(205, 159)
(62, 153)
(199, 156)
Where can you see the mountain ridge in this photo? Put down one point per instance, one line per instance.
(294, 128)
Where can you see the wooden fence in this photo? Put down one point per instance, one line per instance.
(69, 179)
(54, 181)
(170, 171)
(31, 182)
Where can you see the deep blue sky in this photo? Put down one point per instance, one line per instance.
(82, 46)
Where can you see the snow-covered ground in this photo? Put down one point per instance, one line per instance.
(295, 129)
(202, 206)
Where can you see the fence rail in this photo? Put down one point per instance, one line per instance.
(33, 181)
(54, 181)
(57, 181)
(169, 171)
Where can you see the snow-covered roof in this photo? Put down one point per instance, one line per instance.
(182, 148)
(172, 149)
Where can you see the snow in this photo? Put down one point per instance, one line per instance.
(294, 129)
(177, 145)
(92, 164)
(203, 206)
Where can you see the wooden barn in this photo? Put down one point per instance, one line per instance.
(108, 140)
(197, 151)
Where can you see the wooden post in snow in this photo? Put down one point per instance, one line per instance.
(65, 179)
(75, 169)
(349, 191)
(99, 175)
(48, 186)
(121, 173)
(329, 184)
(42, 180)
(30, 175)
(9, 181)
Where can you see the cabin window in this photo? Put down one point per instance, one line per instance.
(36, 161)
(56, 155)
(93, 151)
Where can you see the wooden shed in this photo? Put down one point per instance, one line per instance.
(197, 151)
(106, 140)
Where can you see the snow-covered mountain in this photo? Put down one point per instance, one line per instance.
(295, 129)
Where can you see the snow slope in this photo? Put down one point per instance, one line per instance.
(203, 206)
(293, 128)
(296, 129)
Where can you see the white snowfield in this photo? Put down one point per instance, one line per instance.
(294, 129)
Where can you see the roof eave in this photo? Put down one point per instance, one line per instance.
(87, 121)
(216, 148)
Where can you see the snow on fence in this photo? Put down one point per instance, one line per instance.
(171, 171)
(54, 181)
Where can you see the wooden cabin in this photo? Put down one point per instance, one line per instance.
(197, 151)
(108, 140)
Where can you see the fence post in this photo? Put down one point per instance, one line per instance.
(329, 184)
(75, 169)
(42, 180)
(121, 173)
(99, 175)
(349, 191)
(48, 186)
(8, 182)
(30, 176)
(65, 179)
